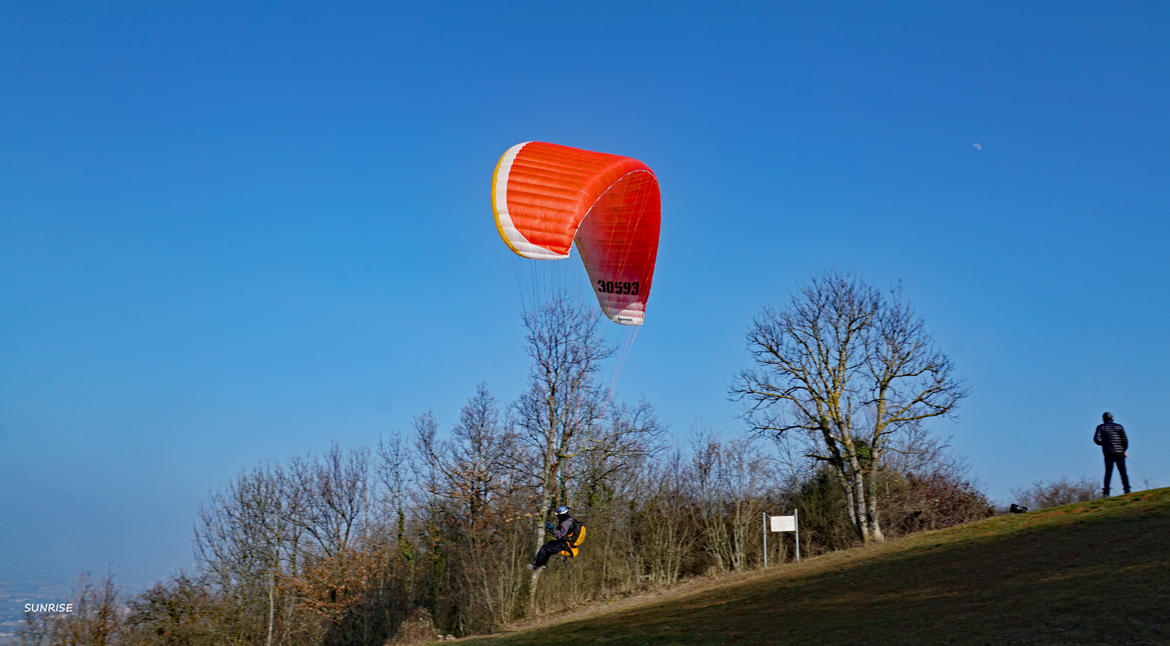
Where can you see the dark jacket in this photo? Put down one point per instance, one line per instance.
(564, 529)
(1111, 438)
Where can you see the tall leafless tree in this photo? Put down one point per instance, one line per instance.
(729, 481)
(243, 534)
(336, 488)
(846, 367)
(473, 468)
(477, 494)
(625, 439)
(562, 401)
(663, 537)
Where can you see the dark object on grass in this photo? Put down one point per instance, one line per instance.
(1017, 509)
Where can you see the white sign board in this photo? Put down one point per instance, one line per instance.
(782, 523)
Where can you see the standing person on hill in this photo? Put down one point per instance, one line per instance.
(565, 534)
(1110, 436)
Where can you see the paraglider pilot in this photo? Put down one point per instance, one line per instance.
(563, 534)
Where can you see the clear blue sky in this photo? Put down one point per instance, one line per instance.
(231, 234)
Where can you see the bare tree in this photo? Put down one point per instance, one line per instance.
(250, 540)
(473, 468)
(728, 480)
(625, 439)
(1064, 491)
(477, 495)
(242, 536)
(562, 401)
(393, 469)
(662, 535)
(335, 488)
(846, 367)
(607, 479)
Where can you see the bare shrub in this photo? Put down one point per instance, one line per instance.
(99, 617)
(1065, 491)
(932, 500)
(418, 628)
(181, 610)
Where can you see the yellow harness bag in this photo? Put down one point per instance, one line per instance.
(574, 541)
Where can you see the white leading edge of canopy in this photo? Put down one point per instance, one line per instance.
(519, 243)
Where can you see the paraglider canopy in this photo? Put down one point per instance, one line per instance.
(546, 196)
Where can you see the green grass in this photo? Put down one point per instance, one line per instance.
(1089, 573)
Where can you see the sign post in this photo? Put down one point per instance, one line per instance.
(781, 524)
(765, 539)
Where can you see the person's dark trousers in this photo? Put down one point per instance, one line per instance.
(1119, 460)
(549, 549)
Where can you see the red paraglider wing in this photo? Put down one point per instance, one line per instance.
(545, 196)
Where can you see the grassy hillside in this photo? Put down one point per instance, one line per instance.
(1090, 573)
